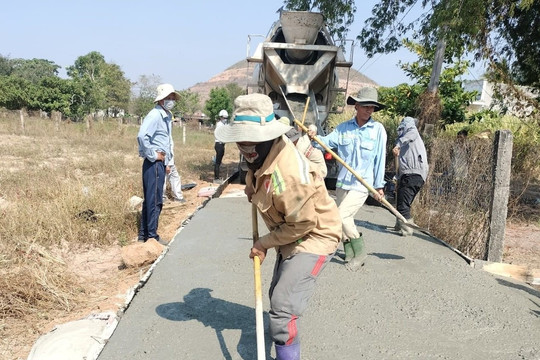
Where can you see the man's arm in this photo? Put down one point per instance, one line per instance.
(380, 159)
(147, 130)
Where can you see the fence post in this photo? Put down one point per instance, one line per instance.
(57, 117)
(502, 159)
(21, 115)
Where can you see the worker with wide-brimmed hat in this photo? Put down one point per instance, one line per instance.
(361, 143)
(304, 222)
(155, 147)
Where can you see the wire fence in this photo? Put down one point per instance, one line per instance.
(454, 203)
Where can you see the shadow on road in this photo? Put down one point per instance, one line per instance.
(520, 287)
(387, 256)
(219, 315)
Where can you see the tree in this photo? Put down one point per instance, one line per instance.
(234, 91)
(13, 92)
(496, 30)
(34, 70)
(453, 98)
(188, 104)
(5, 66)
(145, 89)
(219, 99)
(103, 85)
(521, 33)
(87, 73)
(117, 89)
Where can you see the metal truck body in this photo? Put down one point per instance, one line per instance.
(298, 60)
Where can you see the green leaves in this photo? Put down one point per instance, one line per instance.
(219, 99)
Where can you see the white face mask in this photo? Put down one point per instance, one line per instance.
(249, 152)
(168, 104)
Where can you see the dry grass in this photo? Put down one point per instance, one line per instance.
(457, 209)
(64, 191)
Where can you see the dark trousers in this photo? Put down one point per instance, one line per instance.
(408, 186)
(153, 178)
(220, 151)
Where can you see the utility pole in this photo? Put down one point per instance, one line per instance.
(430, 104)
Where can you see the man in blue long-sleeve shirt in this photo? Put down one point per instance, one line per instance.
(154, 140)
(361, 143)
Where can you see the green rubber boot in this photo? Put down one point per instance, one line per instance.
(349, 252)
(360, 253)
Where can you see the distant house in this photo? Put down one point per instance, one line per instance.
(488, 98)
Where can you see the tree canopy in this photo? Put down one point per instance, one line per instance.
(219, 99)
(500, 31)
(504, 32)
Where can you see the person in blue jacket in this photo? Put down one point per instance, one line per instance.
(155, 147)
(361, 143)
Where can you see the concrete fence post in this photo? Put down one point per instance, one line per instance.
(502, 160)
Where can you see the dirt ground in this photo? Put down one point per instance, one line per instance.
(102, 271)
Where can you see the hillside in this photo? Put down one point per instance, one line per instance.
(242, 72)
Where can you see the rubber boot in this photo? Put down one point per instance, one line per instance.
(360, 253)
(405, 229)
(349, 253)
(288, 352)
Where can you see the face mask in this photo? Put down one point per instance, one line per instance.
(256, 154)
(249, 152)
(168, 104)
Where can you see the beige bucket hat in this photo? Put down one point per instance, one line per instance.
(366, 96)
(253, 120)
(165, 90)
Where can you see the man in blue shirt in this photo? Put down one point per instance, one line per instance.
(361, 143)
(155, 147)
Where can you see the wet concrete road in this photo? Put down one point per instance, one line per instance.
(414, 299)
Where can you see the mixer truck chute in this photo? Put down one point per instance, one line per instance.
(298, 59)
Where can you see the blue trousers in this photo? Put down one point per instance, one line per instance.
(153, 178)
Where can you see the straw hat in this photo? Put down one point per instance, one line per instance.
(165, 90)
(366, 96)
(253, 120)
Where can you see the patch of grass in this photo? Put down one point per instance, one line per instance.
(64, 186)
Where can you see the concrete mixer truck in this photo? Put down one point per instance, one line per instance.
(298, 60)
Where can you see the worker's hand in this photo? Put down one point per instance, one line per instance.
(395, 150)
(248, 190)
(168, 169)
(379, 195)
(160, 156)
(311, 133)
(258, 250)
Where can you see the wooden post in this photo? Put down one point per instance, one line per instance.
(183, 134)
(56, 116)
(502, 159)
(21, 114)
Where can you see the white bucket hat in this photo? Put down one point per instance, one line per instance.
(165, 90)
(366, 96)
(253, 120)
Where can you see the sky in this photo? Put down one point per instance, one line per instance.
(181, 42)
